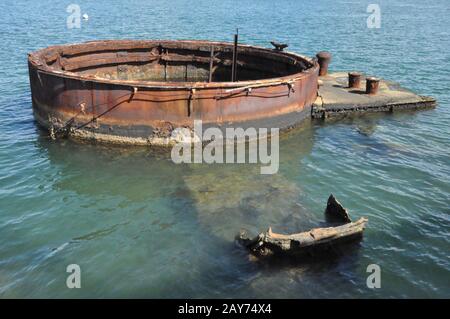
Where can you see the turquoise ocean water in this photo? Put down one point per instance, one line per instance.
(140, 226)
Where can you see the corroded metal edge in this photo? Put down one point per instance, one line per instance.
(36, 60)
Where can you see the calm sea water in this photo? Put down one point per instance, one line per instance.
(140, 226)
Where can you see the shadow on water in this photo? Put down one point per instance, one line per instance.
(229, 197)
(93, 169)
(314, 260)
(279, 277)
(189, 214)
(226, 197)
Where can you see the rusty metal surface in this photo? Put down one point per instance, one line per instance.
(324, 59)
(66, 93)
(372, 85)
(354, 80)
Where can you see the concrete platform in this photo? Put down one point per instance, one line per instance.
(335, 98)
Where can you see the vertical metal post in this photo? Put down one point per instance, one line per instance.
(354, 80)
(372, 85)
(234, 63)
(211, 63)
(324, 59)
(165, 70)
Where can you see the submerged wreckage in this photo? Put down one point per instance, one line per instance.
(271, 244)
(138, 92)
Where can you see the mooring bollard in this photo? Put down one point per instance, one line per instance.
(372, 85)
(324, 59)
(354, 80)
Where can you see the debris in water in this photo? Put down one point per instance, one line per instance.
(270, 243)
(335, 210)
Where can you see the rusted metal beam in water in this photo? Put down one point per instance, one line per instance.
(234, 64)
(268, 243)
(372, 84)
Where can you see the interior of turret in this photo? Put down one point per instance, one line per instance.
(173, 61)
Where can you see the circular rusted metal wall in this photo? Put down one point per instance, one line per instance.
(139, 91)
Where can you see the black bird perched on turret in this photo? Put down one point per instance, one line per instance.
(279, 46)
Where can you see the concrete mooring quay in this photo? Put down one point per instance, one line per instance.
(346, 93)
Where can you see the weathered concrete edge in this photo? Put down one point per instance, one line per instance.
(427, 102)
